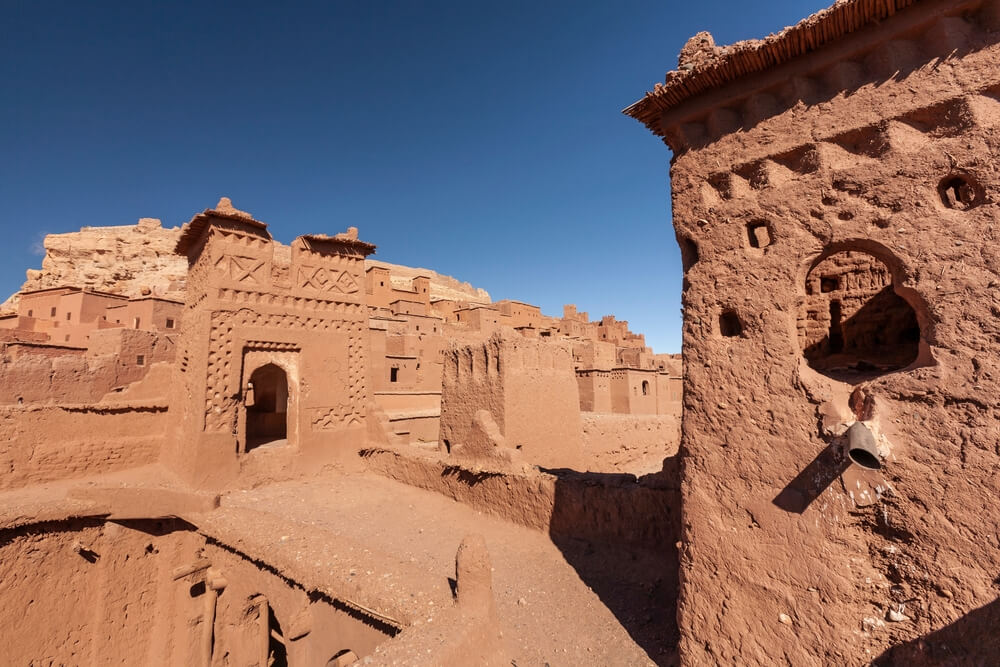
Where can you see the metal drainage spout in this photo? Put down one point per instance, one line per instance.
(861, 447)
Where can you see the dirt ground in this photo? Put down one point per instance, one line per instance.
(548, 609)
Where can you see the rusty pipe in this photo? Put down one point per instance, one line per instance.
(861, 447)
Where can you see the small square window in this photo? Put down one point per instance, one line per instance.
(69, 316)
(140, 360)
(52, 313)
(31, 313)
(170, 323)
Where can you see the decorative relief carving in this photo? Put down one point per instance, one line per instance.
(327, 280)
(340, 308)
(270, 346)
(331, 419)
(234, 236)
(220, 407)
(242, 269)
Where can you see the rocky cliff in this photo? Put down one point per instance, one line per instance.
(129, 259)
(139, 259)
(442, 287)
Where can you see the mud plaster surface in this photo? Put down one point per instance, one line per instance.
(547, 613)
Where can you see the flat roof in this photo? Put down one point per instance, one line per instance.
(477, 306)
(73, 290)
(520, 303)
(338, 242)
(155, 298)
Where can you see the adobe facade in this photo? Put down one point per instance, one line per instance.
(834, 199)
(272, 354)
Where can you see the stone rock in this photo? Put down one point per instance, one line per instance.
(126, 259)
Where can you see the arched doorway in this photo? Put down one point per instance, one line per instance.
(267, 407)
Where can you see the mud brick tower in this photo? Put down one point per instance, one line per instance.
(835, 199)
(273, 354)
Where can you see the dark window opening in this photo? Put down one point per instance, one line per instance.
(52, 313)
(393, 374)
(960, 193)
(836, 332)
(730, 324)
(759, 234)
(266, 399)
(689, 252)
(170, 323)
(30, 313)
(69, 316)
(140, 360)
(829, 284)
(645, 388)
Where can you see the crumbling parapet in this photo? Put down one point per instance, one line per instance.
(512, 393)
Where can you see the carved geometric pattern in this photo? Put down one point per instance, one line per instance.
(237, 237)
(270, 346)
(327, 280)
(242, 269)
(330, 419)
(291, 302)
(220, 408)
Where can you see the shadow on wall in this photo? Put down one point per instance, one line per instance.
(619, 533)
(882, 336)
(896, 61)
(971, 640)
(814, 479)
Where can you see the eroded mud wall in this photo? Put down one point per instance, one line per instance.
(49, 443)
(87, 592)
(529, 391)
(882, 146)
(90, 592)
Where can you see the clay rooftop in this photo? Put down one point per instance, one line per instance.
(340, 242)
(196, 226)
(703, 66)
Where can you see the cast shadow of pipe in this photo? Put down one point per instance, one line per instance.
(971, 640)
(814, 479)
(620, 533)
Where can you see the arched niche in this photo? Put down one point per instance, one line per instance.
(854, 322)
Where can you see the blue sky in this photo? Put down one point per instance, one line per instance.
(482, 140)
